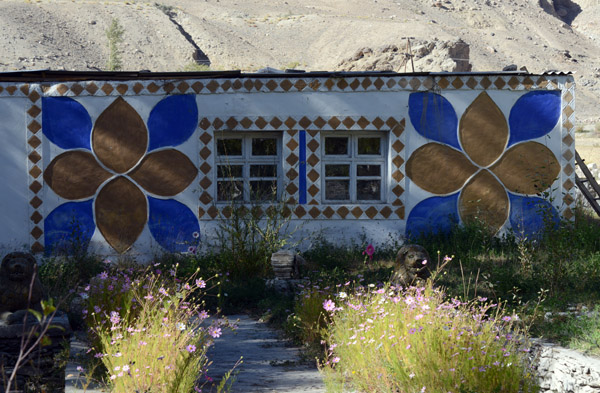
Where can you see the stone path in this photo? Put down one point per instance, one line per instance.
(270, 364)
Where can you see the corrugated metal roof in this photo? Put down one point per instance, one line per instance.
(53, 75)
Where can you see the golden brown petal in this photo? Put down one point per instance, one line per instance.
(75, 175)
(483, 131)
(165, 172)
(121, 213)
(439, 169)
(527, 168)
(119, 138)
(485, 199)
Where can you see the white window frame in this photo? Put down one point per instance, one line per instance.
(353, 159)
(246, 160)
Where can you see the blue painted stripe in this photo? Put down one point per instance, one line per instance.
(302, 177)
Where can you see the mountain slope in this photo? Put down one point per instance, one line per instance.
(307, 34)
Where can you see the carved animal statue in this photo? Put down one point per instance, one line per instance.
(16, 273)
(411, 266)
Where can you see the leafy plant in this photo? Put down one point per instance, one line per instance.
(114, 34)
(249, 235)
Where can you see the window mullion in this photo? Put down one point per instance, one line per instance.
(353, 154)
(246, 153)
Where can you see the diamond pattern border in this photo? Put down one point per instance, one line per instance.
(291, 149)
(15, 90)
(313, 167)
(207, 189)
(283, 84)
(34, 167)
(567, 175)
(274, 123)
(291, 126)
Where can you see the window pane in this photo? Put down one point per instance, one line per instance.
(337, 190)
(337, 170)
(369, 146)
(263, 170)
(336, 146)
(230, 171)
(230, 190)
(368, 190)
(264, 146)
(368, 170)
(263, 190)
(229, 147)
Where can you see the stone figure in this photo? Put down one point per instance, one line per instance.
(411, 266)
(16, 273)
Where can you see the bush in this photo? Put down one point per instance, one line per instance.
(149, 336)
(249, 235)
(413, 340)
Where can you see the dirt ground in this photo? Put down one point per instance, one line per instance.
(541, 35)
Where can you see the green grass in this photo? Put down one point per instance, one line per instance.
(553, 273)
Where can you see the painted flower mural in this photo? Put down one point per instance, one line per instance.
(120, 173)
(484, 166)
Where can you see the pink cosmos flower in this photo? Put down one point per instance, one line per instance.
(190, 348)
(214, 332)
(200, 283)
(328, 305)
(369, 251)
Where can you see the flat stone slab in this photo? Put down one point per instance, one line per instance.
(270, 363)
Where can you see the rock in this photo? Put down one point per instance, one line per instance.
(286, 264)
(431, 55)
(564, 370)
(510, 67)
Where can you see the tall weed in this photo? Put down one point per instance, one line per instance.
(412, 340)
(156, 341)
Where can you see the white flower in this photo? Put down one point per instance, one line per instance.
(342, 295)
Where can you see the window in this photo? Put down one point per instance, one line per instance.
(354, 167)
(248, 166)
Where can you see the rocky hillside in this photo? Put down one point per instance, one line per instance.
(172, 35)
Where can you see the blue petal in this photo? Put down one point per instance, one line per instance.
(172, 224)
(433, 215)
(172, 121)
(69, 227)
(529, 216)
(534, 114)
(434, 117)
(66, 122)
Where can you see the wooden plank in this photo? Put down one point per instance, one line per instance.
(589, 178)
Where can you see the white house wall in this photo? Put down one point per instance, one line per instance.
(129, 167)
